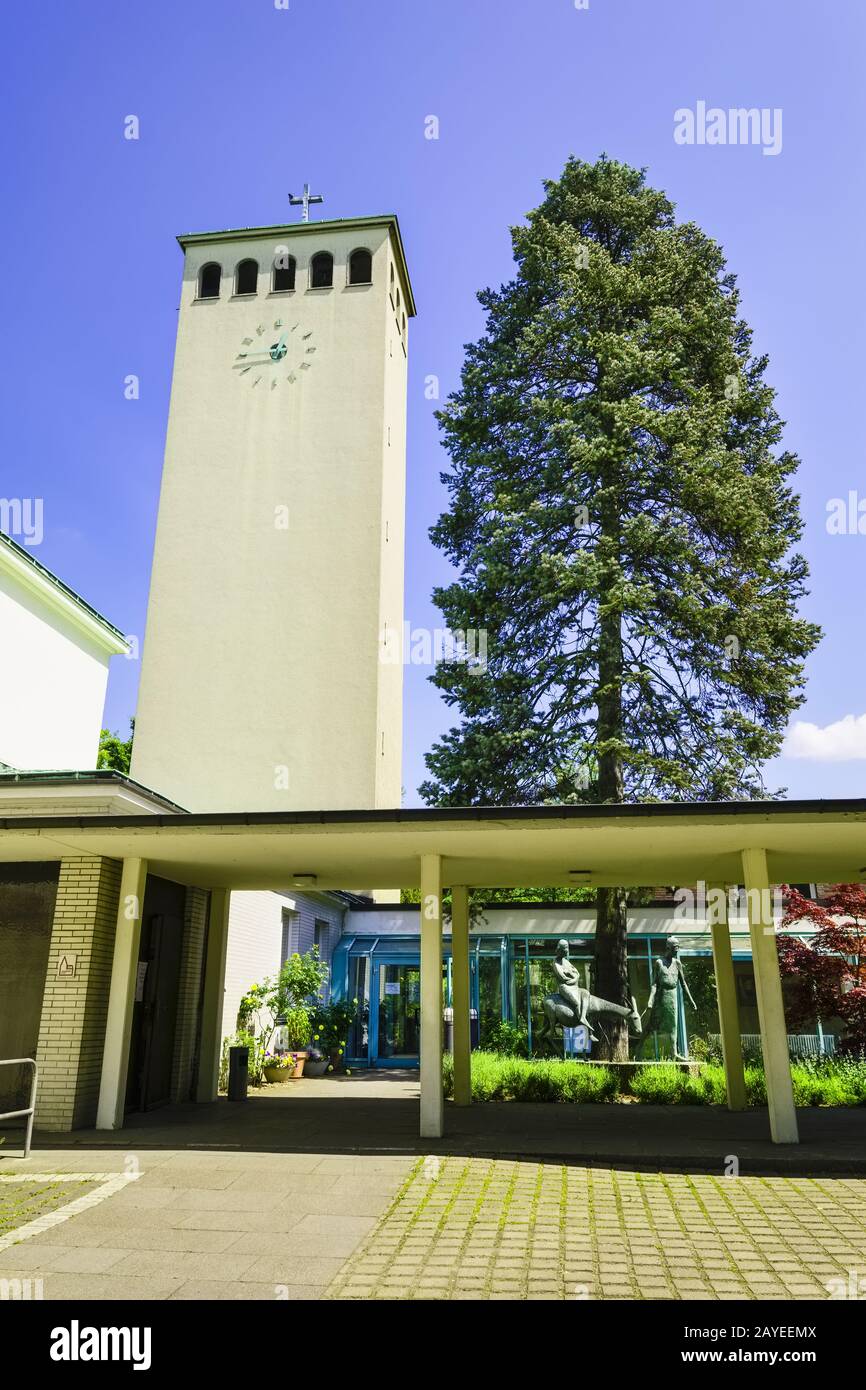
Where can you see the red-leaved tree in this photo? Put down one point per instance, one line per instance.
(830, 971)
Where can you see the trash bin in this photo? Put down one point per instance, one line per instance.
(239, 1067)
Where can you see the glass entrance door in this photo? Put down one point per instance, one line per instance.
(399, 1014)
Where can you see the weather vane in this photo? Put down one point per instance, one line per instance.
(304, 201)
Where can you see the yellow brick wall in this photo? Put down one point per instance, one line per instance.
(72, 1030)
(189, 994)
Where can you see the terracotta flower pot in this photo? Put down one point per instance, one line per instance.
(299, 1066)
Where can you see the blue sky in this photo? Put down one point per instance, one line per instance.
(240, 101)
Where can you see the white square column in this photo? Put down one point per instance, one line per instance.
(726, 995)
(121, 995)
(460, 996)
(771, 1010)
(432, 1095)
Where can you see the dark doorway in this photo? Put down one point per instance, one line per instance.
(27, 898)
(154, 1016)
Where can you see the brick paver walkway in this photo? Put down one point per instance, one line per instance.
(483, 1228)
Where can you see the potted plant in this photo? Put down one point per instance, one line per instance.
(287, 1000)
(317, 1062)
(278, 1066)
(330, 1028)
(298, 1029)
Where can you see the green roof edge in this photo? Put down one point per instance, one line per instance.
(64, 588)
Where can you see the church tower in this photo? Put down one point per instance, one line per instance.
(272, 677)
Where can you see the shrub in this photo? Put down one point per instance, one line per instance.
(331, 1024)
(508, 1039)
(499, 1077)
(661, 1084)
(505, 1077)
(256, 1055)
(287, 996)
(702, 1050)
(756, 1086)
(708, 1086)
(298, 1028)
(829, 1082)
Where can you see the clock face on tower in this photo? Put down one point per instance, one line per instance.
(269, 357)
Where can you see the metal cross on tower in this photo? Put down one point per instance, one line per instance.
(304, 201)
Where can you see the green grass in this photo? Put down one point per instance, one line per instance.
(24, 1201)
(840, 1082)
(496, 1077)
(500, 1078)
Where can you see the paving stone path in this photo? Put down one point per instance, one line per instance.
(196, 1225)
(478, 1228)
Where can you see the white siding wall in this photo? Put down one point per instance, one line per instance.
(255, 939)
(53, 687)
(311, 910)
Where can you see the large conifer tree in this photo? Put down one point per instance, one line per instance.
(622, 526)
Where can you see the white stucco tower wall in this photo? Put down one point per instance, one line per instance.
(278, 564)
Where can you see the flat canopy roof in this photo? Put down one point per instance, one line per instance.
(489, 847)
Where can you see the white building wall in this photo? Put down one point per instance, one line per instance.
(52, 691)
(255, 939)
(253, 952)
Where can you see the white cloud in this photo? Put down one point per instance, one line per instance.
(836, 743)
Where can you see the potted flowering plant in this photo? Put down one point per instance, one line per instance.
(278, 1066)
(298, 1029)
(317, 1062)
(330, 1028)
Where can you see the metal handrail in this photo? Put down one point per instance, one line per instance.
(31, 1109)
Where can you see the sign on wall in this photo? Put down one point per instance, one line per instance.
(576, 1040)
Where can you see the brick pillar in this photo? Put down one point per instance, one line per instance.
(74, 1007)
(189, 994)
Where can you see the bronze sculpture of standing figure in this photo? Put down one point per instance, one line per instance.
(663, 1005)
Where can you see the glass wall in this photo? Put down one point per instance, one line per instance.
(399, 1025)
(359, 988)
(510, 978)
(489, 975)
